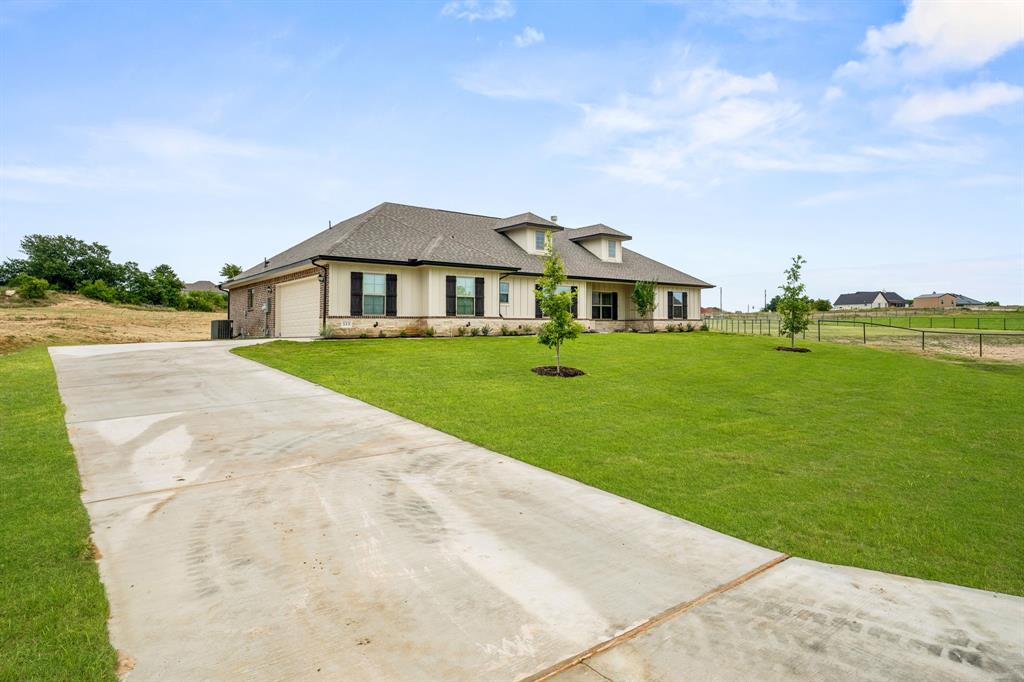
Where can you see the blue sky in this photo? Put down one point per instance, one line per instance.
(883, 141)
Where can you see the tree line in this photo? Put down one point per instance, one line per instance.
(65, 263)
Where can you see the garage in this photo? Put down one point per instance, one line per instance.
(298, 308)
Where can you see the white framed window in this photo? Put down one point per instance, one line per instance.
(612, 248)
(374, 288)
(503, 292)
(465, 296)
(601, 305)
(539, 240)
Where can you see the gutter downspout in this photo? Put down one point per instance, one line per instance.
(228, 292)
(323, 291)
(499, 292)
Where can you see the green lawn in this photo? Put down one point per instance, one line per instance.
(53, 611)
(847, 455)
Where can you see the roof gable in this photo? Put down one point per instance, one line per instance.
(599, 230)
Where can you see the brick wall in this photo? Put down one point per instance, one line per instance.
(254, 321)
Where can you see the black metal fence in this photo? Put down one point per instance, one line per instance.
(993, 343)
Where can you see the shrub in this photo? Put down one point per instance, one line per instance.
(326, 331)
(703, 326)
(30, 287)
(203, 301)
(459, 331)
(99, 290)
(527, 329)
(689, 327)
(429, 332)
(485, 330)
(473, 331)
(402, 334)
(505, 331)
(670, 327)
(364, 335)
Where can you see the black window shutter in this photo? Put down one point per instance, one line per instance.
(357, 294)
(670, 302)
(575, 308)
(449, 290)
(686, 308)
(615, 305)
(537, 312)
(479, 296)
(391, 295)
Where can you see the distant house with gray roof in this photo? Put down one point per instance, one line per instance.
(944, 300)
(869, 299)
(405, 268)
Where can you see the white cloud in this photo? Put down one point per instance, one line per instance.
(177, 144)
(477, 10)
(935, 36)
(529, 36)
(833, 93)
(925, 107)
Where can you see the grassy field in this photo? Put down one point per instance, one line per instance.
(989, 321)
(848, 455)
(73, 319)
(53, 611)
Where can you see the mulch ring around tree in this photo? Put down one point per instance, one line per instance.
(552, 371)
(793, 349)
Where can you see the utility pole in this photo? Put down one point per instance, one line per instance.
(765, 300)
(720, 308)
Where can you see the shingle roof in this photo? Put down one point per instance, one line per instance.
(201, 285)
(865, 297)
(398, 233)
(525, 219)
(581, 233)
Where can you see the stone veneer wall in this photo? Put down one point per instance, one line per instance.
(353, 327)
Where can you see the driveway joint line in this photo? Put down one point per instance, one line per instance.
(149, 377)
(300, 467)
(596, 671)
(207, 407)
(666, 615)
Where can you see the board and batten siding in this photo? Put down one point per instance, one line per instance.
(421, 292)
(411, 293)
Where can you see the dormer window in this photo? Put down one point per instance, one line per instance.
(539, 240)
(612, 248)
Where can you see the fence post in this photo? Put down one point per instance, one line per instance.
(769, 326)
(980, 337)
(922, 339)
(819, 330)
(864, 327)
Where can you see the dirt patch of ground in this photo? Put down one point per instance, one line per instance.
(73, 319)
(552, 371)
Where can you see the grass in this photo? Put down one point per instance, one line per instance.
(848, 455)
(53, 611)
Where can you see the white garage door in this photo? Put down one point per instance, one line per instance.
(298, 308)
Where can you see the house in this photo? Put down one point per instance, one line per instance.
(405, 268)
(869, 299)
(201, 285)
(944, 300)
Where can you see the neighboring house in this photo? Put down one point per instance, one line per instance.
(869, 299)
(945, 300)
(712, 310)
(399, 267)
(201, 285)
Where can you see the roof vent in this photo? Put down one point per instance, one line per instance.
(554, 219)
(265, 262)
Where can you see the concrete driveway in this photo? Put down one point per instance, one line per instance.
(256, 526)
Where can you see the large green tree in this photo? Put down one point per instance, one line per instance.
(230, 271)
(556, 304)
(793, 306)
(63, 261)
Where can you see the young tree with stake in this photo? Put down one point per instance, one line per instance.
(644, 300)
(556, 305)
(793, 306)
